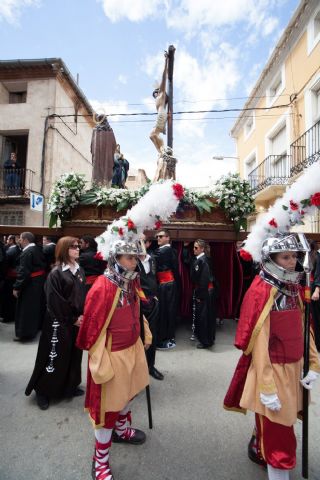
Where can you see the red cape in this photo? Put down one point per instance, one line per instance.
(255, 308)
(98, 303)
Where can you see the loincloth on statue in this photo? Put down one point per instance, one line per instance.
(161, 122)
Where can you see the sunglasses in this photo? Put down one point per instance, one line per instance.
(74, 247)
(160, 236)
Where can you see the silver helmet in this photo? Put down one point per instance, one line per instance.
(122, 247)
(284, 242)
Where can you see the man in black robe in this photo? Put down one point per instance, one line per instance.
(150, 309)
(92, 266)
(28, 289)
(205, 292)
(49, 249)
(12, 251)
(168, 281)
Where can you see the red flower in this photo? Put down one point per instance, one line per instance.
(315, 199)
(302, 212)
(273, 223)
(293, 205)
(246, 256)
(98, 256)
(158, 224)
(131, 225)
(120, 231)
(178, 190)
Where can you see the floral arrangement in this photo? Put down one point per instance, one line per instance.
(232, 193)
(65, 195)
(147, 214)
(234, 197)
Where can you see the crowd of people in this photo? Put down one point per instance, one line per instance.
(123, 308)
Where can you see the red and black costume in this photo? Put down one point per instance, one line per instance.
(270, 334)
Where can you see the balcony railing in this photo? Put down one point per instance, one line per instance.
(305, 150)
(274, 170)
(15, 182)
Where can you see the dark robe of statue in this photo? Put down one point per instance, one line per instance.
(103, 146)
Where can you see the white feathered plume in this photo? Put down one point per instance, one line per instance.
(155, 206)
(301, 198)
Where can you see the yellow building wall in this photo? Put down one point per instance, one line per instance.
(299, 70)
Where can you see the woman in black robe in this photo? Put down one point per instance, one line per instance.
(57, 371)
(205, 293)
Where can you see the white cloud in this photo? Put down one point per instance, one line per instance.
(10, 10)
(112, 107)
(133, 10)
(123, 79)
(190, 16)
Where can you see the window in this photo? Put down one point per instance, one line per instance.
(16, 92)
(249, 126)
(11, 217)
(250, 171)
(314, 31)
(316, 103)
(17, 97)
(278, 151)
(276, 87)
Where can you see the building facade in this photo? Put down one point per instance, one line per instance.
(45, 120)
(278, 131)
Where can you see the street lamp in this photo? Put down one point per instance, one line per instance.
(222, 157)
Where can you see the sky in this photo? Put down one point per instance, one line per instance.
(117, 48)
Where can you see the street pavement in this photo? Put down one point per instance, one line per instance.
(193, 437)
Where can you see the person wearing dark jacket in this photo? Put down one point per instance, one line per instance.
(150, 309)
(168, 280)
(12, 252)
(92, 266)
(28, 288)
(205, 292)
(49, 248)
(57, 371)
(315, 304)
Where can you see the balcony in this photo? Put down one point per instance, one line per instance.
(274, 171)
(15, 184)
(305, 150)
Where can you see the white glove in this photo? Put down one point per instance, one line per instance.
(270, 401)
(308, 381)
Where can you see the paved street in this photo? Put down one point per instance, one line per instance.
(193, 437)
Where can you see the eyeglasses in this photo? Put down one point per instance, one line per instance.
(160, 236)
(74, 247)
(195, 248)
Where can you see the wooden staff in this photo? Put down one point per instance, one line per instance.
(148, 396)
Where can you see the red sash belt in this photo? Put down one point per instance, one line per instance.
(38, 273)
(286, 336)
(90, 279)
(210, 286)
(165, 277)
(12, 273)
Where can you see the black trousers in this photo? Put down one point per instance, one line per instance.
(205, 321)
(168, 311)
(152, 315)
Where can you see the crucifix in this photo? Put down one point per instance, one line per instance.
(164, 104)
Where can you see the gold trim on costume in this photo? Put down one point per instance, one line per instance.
(105, 326)
(268, 388)
(261, 320)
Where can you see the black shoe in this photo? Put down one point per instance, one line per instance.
(42, 401)
(155, 373)
(78, 392)
(254, 453)
(134, 437)
(200, 345)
